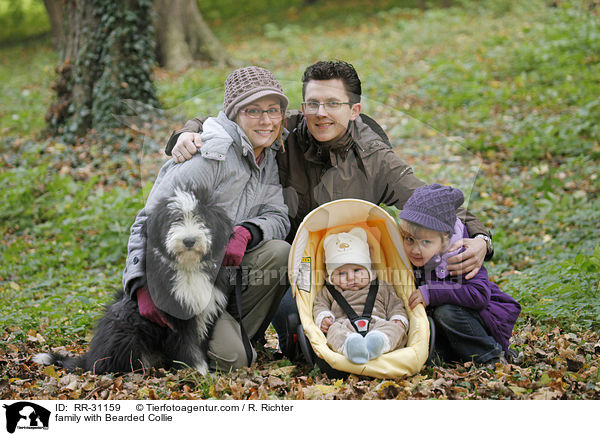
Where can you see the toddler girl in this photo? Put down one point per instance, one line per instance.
(473, 318)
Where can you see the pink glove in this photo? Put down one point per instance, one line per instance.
(149, 311)
(237, 246)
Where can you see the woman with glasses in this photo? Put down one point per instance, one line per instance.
(237, 164)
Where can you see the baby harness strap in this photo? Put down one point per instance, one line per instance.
(360, 323)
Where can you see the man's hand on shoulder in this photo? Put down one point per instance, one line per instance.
(187, 145)
(469, 261)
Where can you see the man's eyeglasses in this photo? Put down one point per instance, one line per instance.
(274, 113)
(312, 107)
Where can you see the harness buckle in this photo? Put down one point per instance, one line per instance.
(361, 324)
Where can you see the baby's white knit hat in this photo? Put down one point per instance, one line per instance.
(344, 248)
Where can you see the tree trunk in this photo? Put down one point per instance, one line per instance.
(106, 57)
(183, 36)
(55, 10)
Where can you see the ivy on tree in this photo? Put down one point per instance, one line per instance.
(106, 57)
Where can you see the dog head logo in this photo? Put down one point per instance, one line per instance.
(26, 415)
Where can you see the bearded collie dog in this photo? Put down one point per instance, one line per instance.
(187, 236)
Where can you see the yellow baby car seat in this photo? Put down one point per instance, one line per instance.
(306, 271)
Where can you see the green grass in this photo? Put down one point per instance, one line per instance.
(64, 245)
(26, 74)
(535, 89)
(566, 291)
(231, 22)
(516, 87)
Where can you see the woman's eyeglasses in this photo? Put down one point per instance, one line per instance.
(312, 107)
(274, 113)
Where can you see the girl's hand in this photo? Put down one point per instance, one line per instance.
(325, 324)
(470, 260)
(416, 298)
(187, 144)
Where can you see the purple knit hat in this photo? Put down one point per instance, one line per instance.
(433, 207)
(248, 84)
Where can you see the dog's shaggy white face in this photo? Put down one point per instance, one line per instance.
(187, 240)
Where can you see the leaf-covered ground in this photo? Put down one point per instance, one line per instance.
(555, 365)
(498, 97)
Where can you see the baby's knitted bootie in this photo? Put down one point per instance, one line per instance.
(355, 349)
(376, 343)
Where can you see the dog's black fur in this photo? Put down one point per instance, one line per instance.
(124, 340)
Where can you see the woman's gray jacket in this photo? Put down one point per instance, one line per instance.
(249, 193)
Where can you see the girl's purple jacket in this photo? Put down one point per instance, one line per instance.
(498, 310)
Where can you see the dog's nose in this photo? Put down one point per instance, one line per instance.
(189, 242)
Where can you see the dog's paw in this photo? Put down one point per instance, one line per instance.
(201, 367)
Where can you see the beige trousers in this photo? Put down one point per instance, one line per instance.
(265, 282)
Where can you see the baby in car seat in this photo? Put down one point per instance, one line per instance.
(352, 285)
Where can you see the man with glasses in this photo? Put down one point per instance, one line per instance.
(333, 151)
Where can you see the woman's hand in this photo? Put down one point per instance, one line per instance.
(149, 311)
(325, 324)
(237, 246)
(187, 144)
(416, 298)
(470, 260)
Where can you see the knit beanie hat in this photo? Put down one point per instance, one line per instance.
(433, 207)
(344, 248)
(248, 84)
